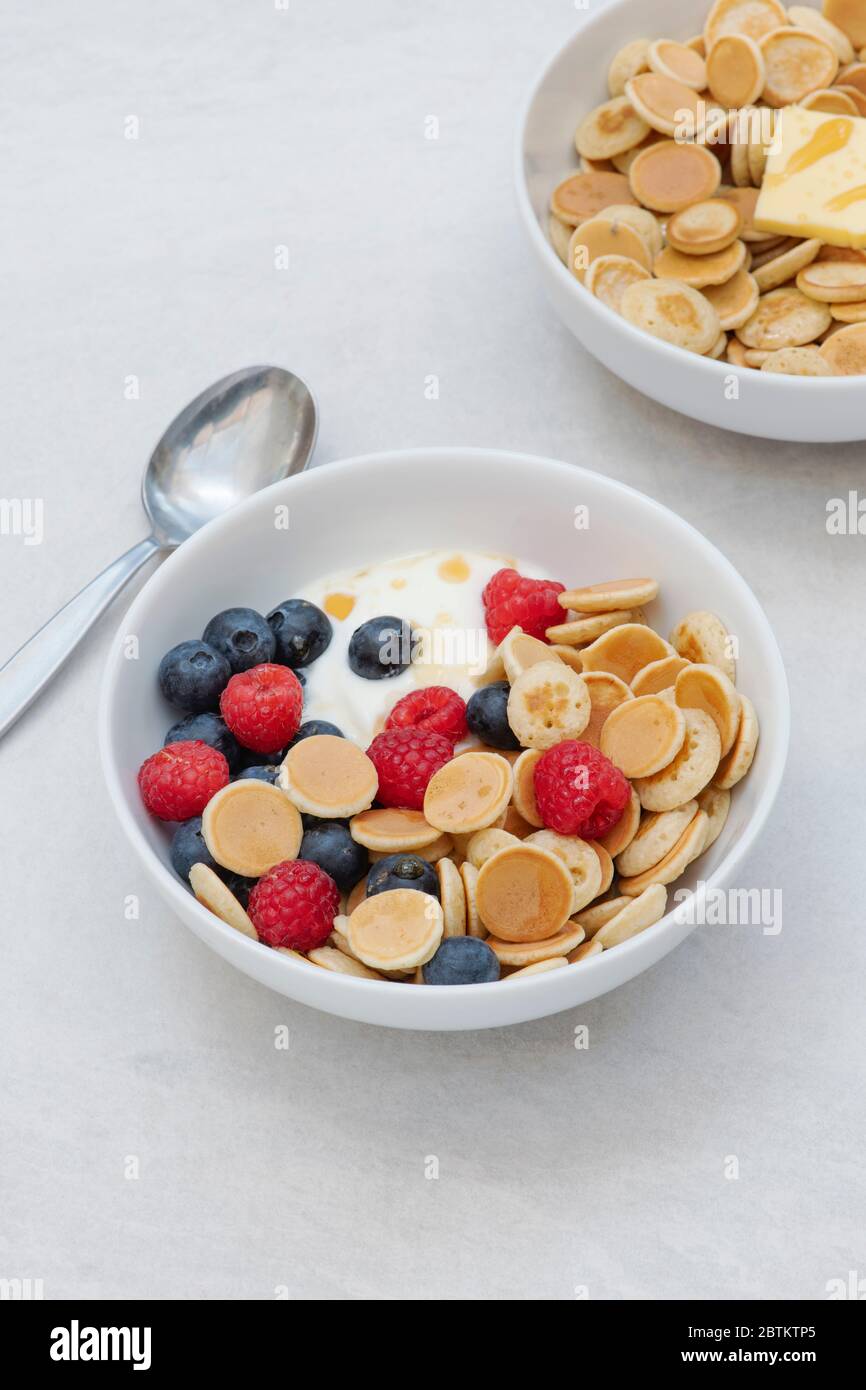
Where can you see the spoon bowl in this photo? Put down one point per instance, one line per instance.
(248, 430)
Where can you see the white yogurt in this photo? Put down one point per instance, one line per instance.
(439, 595)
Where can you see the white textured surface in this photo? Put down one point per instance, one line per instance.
(305, 1169)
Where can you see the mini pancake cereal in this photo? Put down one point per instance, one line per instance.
(518, 812)
(739, 149)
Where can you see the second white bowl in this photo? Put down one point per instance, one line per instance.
(810, 409)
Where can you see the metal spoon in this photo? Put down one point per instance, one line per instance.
(246, 431)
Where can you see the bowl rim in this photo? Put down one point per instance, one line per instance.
(179, 897)
(578, 292)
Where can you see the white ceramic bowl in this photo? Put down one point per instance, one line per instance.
(383, 506)
(811, 409)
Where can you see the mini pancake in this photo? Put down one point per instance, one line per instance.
(520, 651)
(658, 833)
(396, 930)
(614, 594)
(756, 155)
(611, 128)
(338, 937)
(250, 826)
(736, 764)
(735, 301)
(587, 948)
(626, 64)
(668, 106)
(468, 793)
(592, 919)
(697, 43)
(797, 63)
(658, 675)
(705, 228)
(735, 70)
(745, 200)
(599, 237)
(715, 802)
(754, 18)
(440, 847)
(474, 924)
(548, 703)
(212, 893)
(668, 176)
(756, 358)
(485, 843)
(641, 912)
(622, 834)
(570, 655)
(688, 847)
(606, 863)
(515, 823)
(625, 650)
(582, 196)
(587, 627)
(643, 735)
(452, 896)
(804, 17)
(645, 223)
(741, 172)
(390, 830)
(678, 62)
(701, 636)
(699, 271)
(736, 353)
(831, 100)
(854, 75)
(523, 792)
(784, 267)
(689, 772)
(606, 692)
(834, 282)
(331, 958)
(674, 312)
(596, 166)
(849, 313)
(328, 776)
(702, 686)
(785, 318)
(357, 895)
(799, 361)
(559, 233)
(524, 894)
(842, 253)
(540, 967)
(529, 952)
(858, 97)
(848, 16)
(580, 858)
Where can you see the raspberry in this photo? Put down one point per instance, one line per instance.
(262, 706)
(294, 904)
(435, 708)
(405, 760)
(511, 600)
(178, 782)
(579, 791)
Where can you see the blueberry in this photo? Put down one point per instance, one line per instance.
(402, 871)
(240, 886)
(208, 727)
(193, 676)
(461, 960)
(250, 758)
(266, 773)
(243, 636)
(188, 848)
(330, 845)
(316, 726)
(302, 632)
(487, 716)
(309, 822)
(380, 648)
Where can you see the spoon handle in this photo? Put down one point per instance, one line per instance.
(31, 668)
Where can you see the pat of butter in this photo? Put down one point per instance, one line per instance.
(815, 179)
